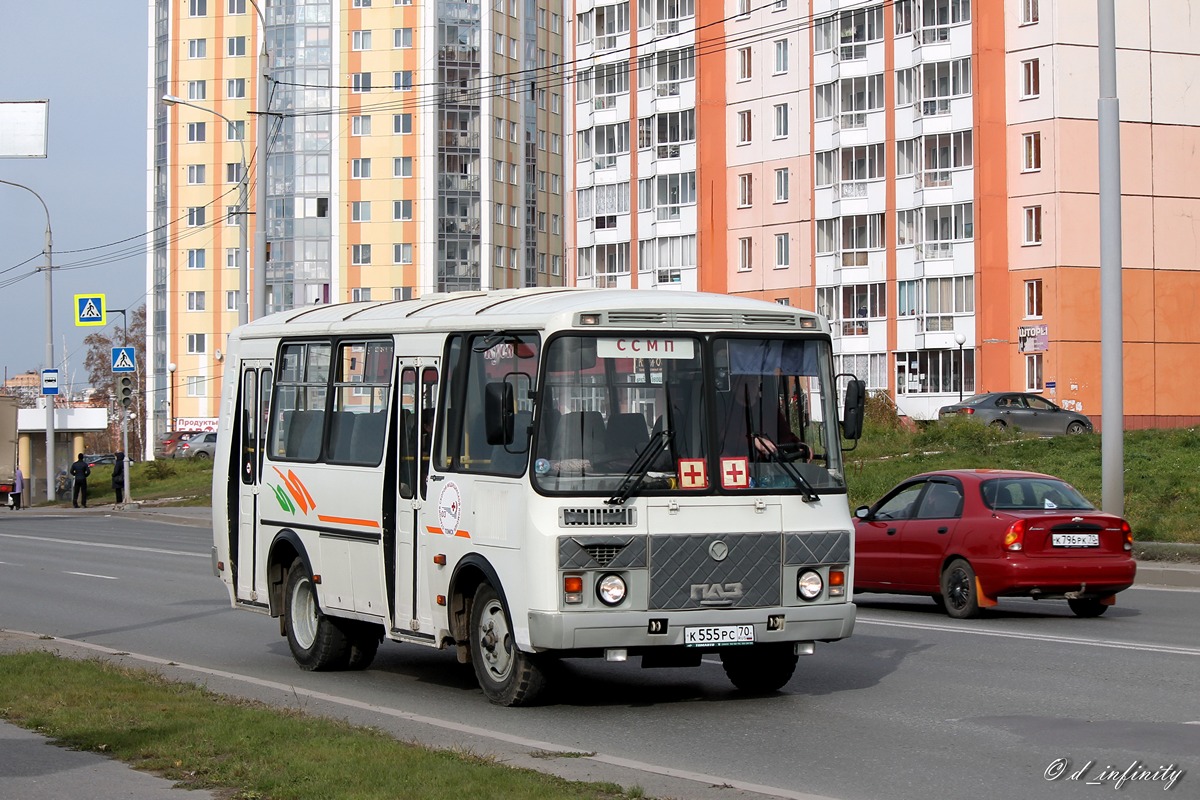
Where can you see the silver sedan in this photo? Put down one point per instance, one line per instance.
(1031, 413)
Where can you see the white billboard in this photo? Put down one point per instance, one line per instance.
(24, 128)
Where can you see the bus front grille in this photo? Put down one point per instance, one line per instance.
(715, 571)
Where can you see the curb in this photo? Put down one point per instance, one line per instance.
(1158, 573)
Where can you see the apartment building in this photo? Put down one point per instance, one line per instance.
(924, 172)
(412, 146)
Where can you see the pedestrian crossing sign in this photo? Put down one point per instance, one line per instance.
(123, 360)
(89, 310)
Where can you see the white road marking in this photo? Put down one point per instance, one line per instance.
(1035, 637)
(472, 730)
(106, 545)
(92, 575)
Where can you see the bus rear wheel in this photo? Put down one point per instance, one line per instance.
(316, 642)
(507, 676)
(760, 668)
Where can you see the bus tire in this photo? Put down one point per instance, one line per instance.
(364, 644)
(760, 668)
(507, 676)
(316, 642)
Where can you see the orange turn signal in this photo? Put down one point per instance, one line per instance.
(837, 577)
(572, 584)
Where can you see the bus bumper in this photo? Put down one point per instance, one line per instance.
(631, 629)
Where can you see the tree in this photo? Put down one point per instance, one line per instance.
(98, 363)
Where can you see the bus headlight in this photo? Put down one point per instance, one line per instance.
(611, 589)
(810, 584)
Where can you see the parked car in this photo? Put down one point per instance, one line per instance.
(968, 537)
(95, 460)
(170, 445)
(202, 445)
(1031, 413)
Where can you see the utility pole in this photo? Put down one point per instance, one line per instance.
(125, 410)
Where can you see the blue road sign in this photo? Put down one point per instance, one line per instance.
(49, 381)
(123, 360)
(89, 309)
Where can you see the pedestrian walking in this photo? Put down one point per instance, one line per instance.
(118, 479)
(80, 471)
(18, 487)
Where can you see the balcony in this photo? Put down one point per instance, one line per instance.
(934, 178)
(852, 190)
(667, 151)
(934, 107)
(605, 42)
(934, 251)
(850, 120)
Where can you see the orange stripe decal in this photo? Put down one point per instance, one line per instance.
(439, 532)
(366, 523)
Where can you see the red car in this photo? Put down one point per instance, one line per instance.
(968, 537)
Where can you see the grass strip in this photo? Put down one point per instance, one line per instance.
(244, 749)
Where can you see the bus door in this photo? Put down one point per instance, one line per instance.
(254, 400)
(414, 427)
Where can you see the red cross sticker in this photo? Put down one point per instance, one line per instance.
(693, 473)
(735, 473)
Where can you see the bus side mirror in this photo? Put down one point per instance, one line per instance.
(499, 412)
(852, 413)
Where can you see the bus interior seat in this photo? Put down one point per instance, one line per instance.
(580, 434)
(367, 440)
(340, 435)
(304, 434)
(626, 435)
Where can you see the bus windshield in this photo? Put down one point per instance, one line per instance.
(721, 414)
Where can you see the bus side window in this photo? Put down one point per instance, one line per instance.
(406, 435)
(427, 400)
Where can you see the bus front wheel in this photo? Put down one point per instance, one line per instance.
(760, 668)
(507, 676)
(315, 641)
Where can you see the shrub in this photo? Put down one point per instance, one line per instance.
(159, 469)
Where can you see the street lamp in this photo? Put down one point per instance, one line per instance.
(243, 211)
(961, 339)
(49, 399)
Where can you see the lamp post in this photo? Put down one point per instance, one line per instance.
(171, 398)
(961, 339)
(49, 399)
(243, 211)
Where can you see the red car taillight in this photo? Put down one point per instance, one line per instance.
(1014, 537)
(1128, 532)
(966, 411)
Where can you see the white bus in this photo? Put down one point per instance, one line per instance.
(537, 474)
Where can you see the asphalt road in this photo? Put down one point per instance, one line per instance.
(914, 705)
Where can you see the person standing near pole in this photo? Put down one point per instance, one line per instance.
(118, 479)
(18, 487)
(80, 472)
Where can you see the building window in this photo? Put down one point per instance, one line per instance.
(745, 64)
(195, 385)
(360, 168)
(782, 185)
(1029, 12)
(674, 192)
(195, 259)
(402, 123)
(861, 233)
(1031, 149)
(235, 88)
(402, 253)
(197, 48)
(1031, 79)
(231, 300)
(905, 95)
(745, 254)
(195, 216)
(745, 131)
(745, 190)
(233, 258)
(236, 131)
(402, 38)
(825, 175)
(401, 293)
(823, 34)
(360, 254)
(781, 121)
(402, 81)
(402, 210)
(360, 40)
(781, 56)
(906, 225)
(195, 174)
(905, 157)
(360, 211)
(827, 236)
(870, 367)
(196, 343)
(935, 371)
(402, 167)
(360, 295)
(235, 46)
(1033, 372)
(236, 7)
(360, 125)
(197, 90)
(360, 82)
(195, 301)
(826, 101)
(231, 215)
(1033, 299)
(367, 4)
(938, 83)
(197, 8)
(908, 298)
(946, 297)
(783, 251)
(1033, 225)
(860, 303)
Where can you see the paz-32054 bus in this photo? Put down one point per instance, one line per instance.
(538, 474)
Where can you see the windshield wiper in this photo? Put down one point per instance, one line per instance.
(807, 491)
(660, 441)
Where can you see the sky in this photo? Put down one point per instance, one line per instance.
(90, 60)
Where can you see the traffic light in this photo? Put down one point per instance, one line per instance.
(125, 390)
